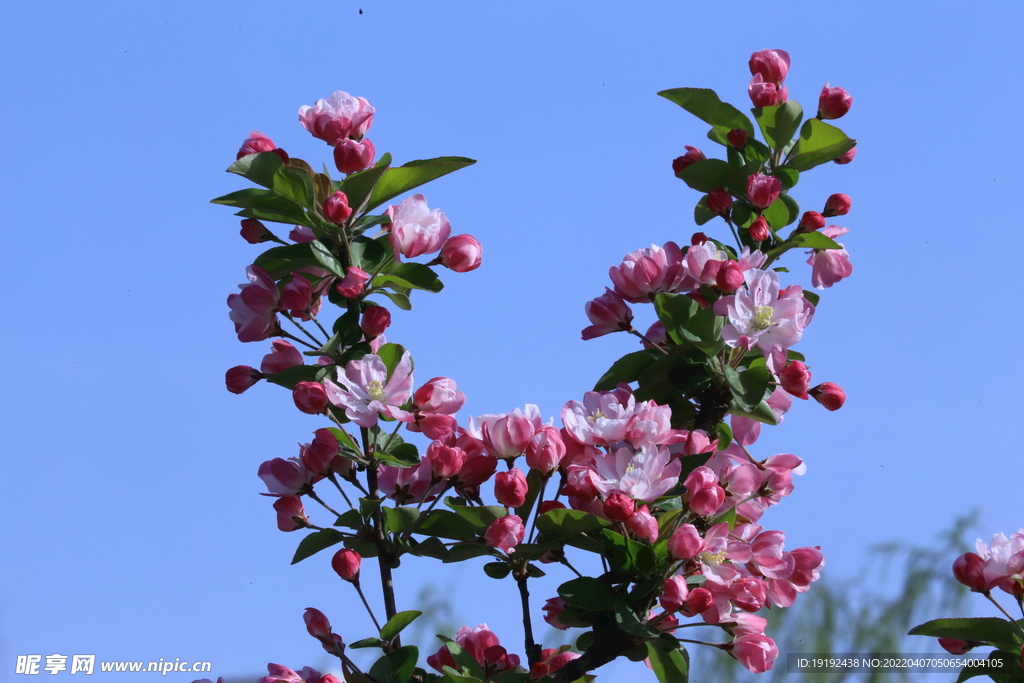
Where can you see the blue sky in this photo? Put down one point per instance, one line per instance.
(132, 526)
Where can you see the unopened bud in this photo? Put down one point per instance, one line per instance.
(811, 221)
(310, 397)
(829, 395)
(795, 379)
(346, 563)
(837, 205)
(692, 156)
(336, 208)
(737, 138)
(759, 231)
(618, 507)
(254, 232)
(729, 277)
(698, 239)
(719, 201)
(847, 157)
(833, 103)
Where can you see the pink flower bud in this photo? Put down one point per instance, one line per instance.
(837, 205)
(296, 295)
(444, 461)
(729, 277)
(955, 646)
(291, 515)
(756, 653)
(698, 238)
(719, 201)
(339, 116)
(317, 624)
(674, 593)
(254, 232)
(685, 542)
(618, 507)
(302, 234)
(969, 569)
(737, 138)
(811, 221)
(439, 395)
(772, 65)
(846, 157)
(643, 525)
(748, 593)
(505, 533)
(351, 156)
(549, 505)
(697, 601)
(762, 190)
(545, 450)
(758, 230)
(692, 156)
(310, 397)
(703, 493)
(795, 379)
(510, 487)
(829, 395)
(352, 285)
(461, 253)
(240, 378)
(346, 563)
(552, 608)
(258, 142)
(319, 456)
(764, 94)
(656, 335)
(282, 356)
(375, 320)
(609, 313)
(336, 208)
(833, 103)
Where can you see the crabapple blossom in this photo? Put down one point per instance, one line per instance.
(674, 593)
(483, 645)
(286, 477)
(685, 543)
(375, 320)
(643, 525)
(647, 272)
(756, 652)
(505, 533)
(336, 208)
(415, 228)
(254, 232)
(445, 461)
(301, 233)
(338, 117)
(837, 205)
(351, 156)
(764, 94)
(506, 436)
(240, 378)
(729, 277)
(692, 156)
(763, 316)
(703, 494)
(552, 608)
(762, 190)
(346, 564)
(737, 138)
(771, 65)
(833, 103)
(319, 455)
(439, 395)
(510, 487)
(600, 420)
(643, 475)
(409, 484)
(317, 624)
(829, 395)
(310, 397)
(254, 308)
(545, 450)
(461, 253)
(609, 313)
(551, 660)
(352, 284)
(618, 507)
(365, 390)
(829, 266)
(1004, 562)
(258, 142)
(291, 514)
(811, 221)
(719, 201)
(795, 378)
(282, 674)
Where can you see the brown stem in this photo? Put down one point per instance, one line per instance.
(532, 648)
(384, 555)
(609, 644)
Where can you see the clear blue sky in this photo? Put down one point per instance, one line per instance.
(132, 528)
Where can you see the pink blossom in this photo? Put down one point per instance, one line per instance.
(685, 542)
(729, 277)
(336, 208)
(317, 624)
(365, 390)
(461, 253)
(643, 525)
(655, 335)
(282, 674)
(253, 310)
(765, 94)
(254, 231)
(1004, 562)
(510, 487)
(351, 156)
(415, 228)
(346, 564)
(602, 419)
(645, 474)
(763, 190)
(703, 494)
(240, 378)
(719, 201)
(545, 450)
(795, 379)
(354, 281)
(811, 221)
(506, 436)
(807, 569)
(762, 316)
(747, 624)
(652, 424)
(756, 652)
(829, 394)
(338, 117)
(445, 461)
(291, 514)
(608, 313)
(286, 477)
(375, 320)
(552, 608)
(505, 533)
(439, 395)
(829, 266)
(692, 156)
(301, 233)
(281, 357)
(833, 103)
(319, 456)
(674, 593)
(837, 205)
(409, 484)
(702, 264)
(618, 506)
(296, 295)
(258, 142)
(310, 397)
(647, 272)
(483, 645)
(771, 65)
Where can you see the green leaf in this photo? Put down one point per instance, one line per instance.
(295, 184)
(788, 175)
(669, 666)
(985, 629)
(779, 214)
(705, 105)
(326, 259)
(367, 254)
(467, 550)
(762, 412)
(397, 667)
(367, 642)
(292, 376)
(819, 143)
(397, 520)
(429, 547)
(587, 593)
(479, 517)
(742, 214)
(279, 261)
(814, 298)
(268, 204)
(627, 555)
(400, 180)
(701, 213)
(447, 524)
(358, 187)
(411, 276)
(627, 620)
(565, 523)
(712, 174)
(351, 519)
(259, 168)
(813, 240)
(391, 354)
(400, 300)
(497, 570)
(464, 659)
(724, 435)
(315, 542)
(674, 310)
(397, 623)
(627, 368)
(779, 122)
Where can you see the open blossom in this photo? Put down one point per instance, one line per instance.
(291, 514)
(286, 477)
(1004, 562)
(338, 117)
(829, 266)
(756, 652)
(364, 389)
(647, 272)
(608, 313)
(282, 356)
(644, 475)
(254, 309)
(409, 484)
(763, 316)
(506, 436)
(417, 229)
(278, 673)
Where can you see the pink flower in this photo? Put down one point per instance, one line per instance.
(762, 190)
(796, 379)
(608, 313)
(483, 645)
(602, 419)
(336, 208)
(254, 231)
(685, 542)
(445, 461)
(282, 674)
(643, 525)
(729, 277)
(375, 320)
(319, 456)
(281, 357)
(618, 506)
(338, 117)
(703, 494)
(510, 487)
(352, 285)
(351, 156)
(317, 624)
(461, 253)
(286, 477)
(837, 205)
(346, 564)
(674, 593)
(829, 266)
(254, 309)
(829, 395)
(365, 389)
(759, 230)
(291, 514)
(296, 296)
(545, 450)
(439, 395)
(409, 484)
(551, 660)
(756, 652)
(719, 201)
(811, 221)
(833, 103)
(552, 608)
(1004, 562)
(692, 156)
(771, 65)
(258, 142)
(505, 533)
(643, 475)
(240, 378)
(415, 228)
(310, 397)
(969, 569)
(647, 272)
(506, 436)
(762, 316)
(846, 157)
(764, 94)
(301, 233)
